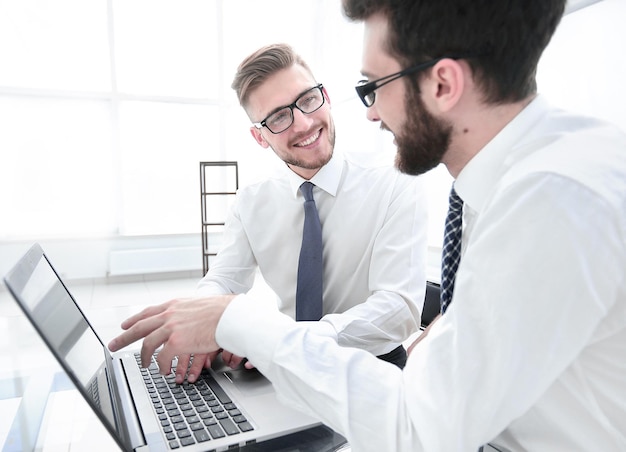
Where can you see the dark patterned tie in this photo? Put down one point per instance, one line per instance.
(451, 252)
(310, 266)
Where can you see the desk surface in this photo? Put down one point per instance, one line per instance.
(41, 410)
(44, 412)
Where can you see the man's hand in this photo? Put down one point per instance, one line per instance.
(200, 360)
(234, 361)
(183, 327)
(204, 360)
(422, 336)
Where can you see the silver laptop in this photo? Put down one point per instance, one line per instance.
(140, 408)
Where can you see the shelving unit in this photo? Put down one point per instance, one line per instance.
(219, 182)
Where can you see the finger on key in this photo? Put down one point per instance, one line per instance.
(181, 368)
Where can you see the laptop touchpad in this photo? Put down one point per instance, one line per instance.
(249, 381)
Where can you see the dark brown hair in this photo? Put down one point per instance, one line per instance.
(507, 37)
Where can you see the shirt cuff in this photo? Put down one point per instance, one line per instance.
(209, 290)
(249, 329)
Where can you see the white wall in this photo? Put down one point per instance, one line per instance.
(583, 69)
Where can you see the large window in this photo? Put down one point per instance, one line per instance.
(107, 106)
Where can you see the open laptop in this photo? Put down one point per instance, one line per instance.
(141, 409)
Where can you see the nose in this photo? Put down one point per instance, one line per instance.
(372, 114)
(301, 121)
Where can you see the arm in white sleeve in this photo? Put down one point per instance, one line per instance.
(348, 389)
(488, 360)
(234, 267)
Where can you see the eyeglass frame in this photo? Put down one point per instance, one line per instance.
(291, 106)
(365, 88)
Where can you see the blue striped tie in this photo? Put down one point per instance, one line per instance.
(451, 252)
(310, 265)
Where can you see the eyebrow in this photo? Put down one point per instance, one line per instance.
(367, 74)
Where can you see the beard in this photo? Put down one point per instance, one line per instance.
(424, 139)
(294, 160)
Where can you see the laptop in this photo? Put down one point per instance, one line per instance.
(143, 410)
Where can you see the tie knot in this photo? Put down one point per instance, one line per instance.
(455, 201)
(307, 191)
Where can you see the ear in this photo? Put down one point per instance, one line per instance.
(326, 95)
(258, 137)
(446, 84)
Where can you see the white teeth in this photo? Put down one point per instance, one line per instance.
(309, 141)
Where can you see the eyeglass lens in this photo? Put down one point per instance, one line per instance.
(308, 102)
(370, 97)
(367, 92)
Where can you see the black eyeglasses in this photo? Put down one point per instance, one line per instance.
(282, 118)
(367, 90)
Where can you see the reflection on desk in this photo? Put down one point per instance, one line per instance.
(44, 412)
(40, 409)
(49, 414)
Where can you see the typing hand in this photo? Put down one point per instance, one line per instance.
(234, 361)
(181, 326)
(200, 360)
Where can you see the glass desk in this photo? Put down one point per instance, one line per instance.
(41, 410)
(46, 413)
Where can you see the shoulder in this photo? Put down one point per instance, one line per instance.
(585, 151)
(382, 173)
(385, 184)
(268, 188)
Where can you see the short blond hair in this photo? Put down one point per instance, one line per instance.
(255, 69)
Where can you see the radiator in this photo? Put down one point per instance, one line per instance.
(155, 260)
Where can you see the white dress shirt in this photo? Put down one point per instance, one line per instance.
(530, 354)
(374, 226)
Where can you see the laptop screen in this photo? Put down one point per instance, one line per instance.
(54, 313)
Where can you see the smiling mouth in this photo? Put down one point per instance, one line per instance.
(312, 139)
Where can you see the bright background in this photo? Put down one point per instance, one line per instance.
(107, 106)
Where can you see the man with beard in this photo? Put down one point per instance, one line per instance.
(373, 230)
(529, 353)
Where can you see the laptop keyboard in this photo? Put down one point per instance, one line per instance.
(192, 413)
(92, 388)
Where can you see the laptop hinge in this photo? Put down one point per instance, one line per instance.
(128, 422)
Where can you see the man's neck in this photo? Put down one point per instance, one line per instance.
(475, 127)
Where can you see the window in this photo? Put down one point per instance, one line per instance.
(107, 106)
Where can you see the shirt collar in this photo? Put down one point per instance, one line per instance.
(476, 180)
(327, 178)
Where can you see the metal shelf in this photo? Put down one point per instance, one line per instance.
(219, 182)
